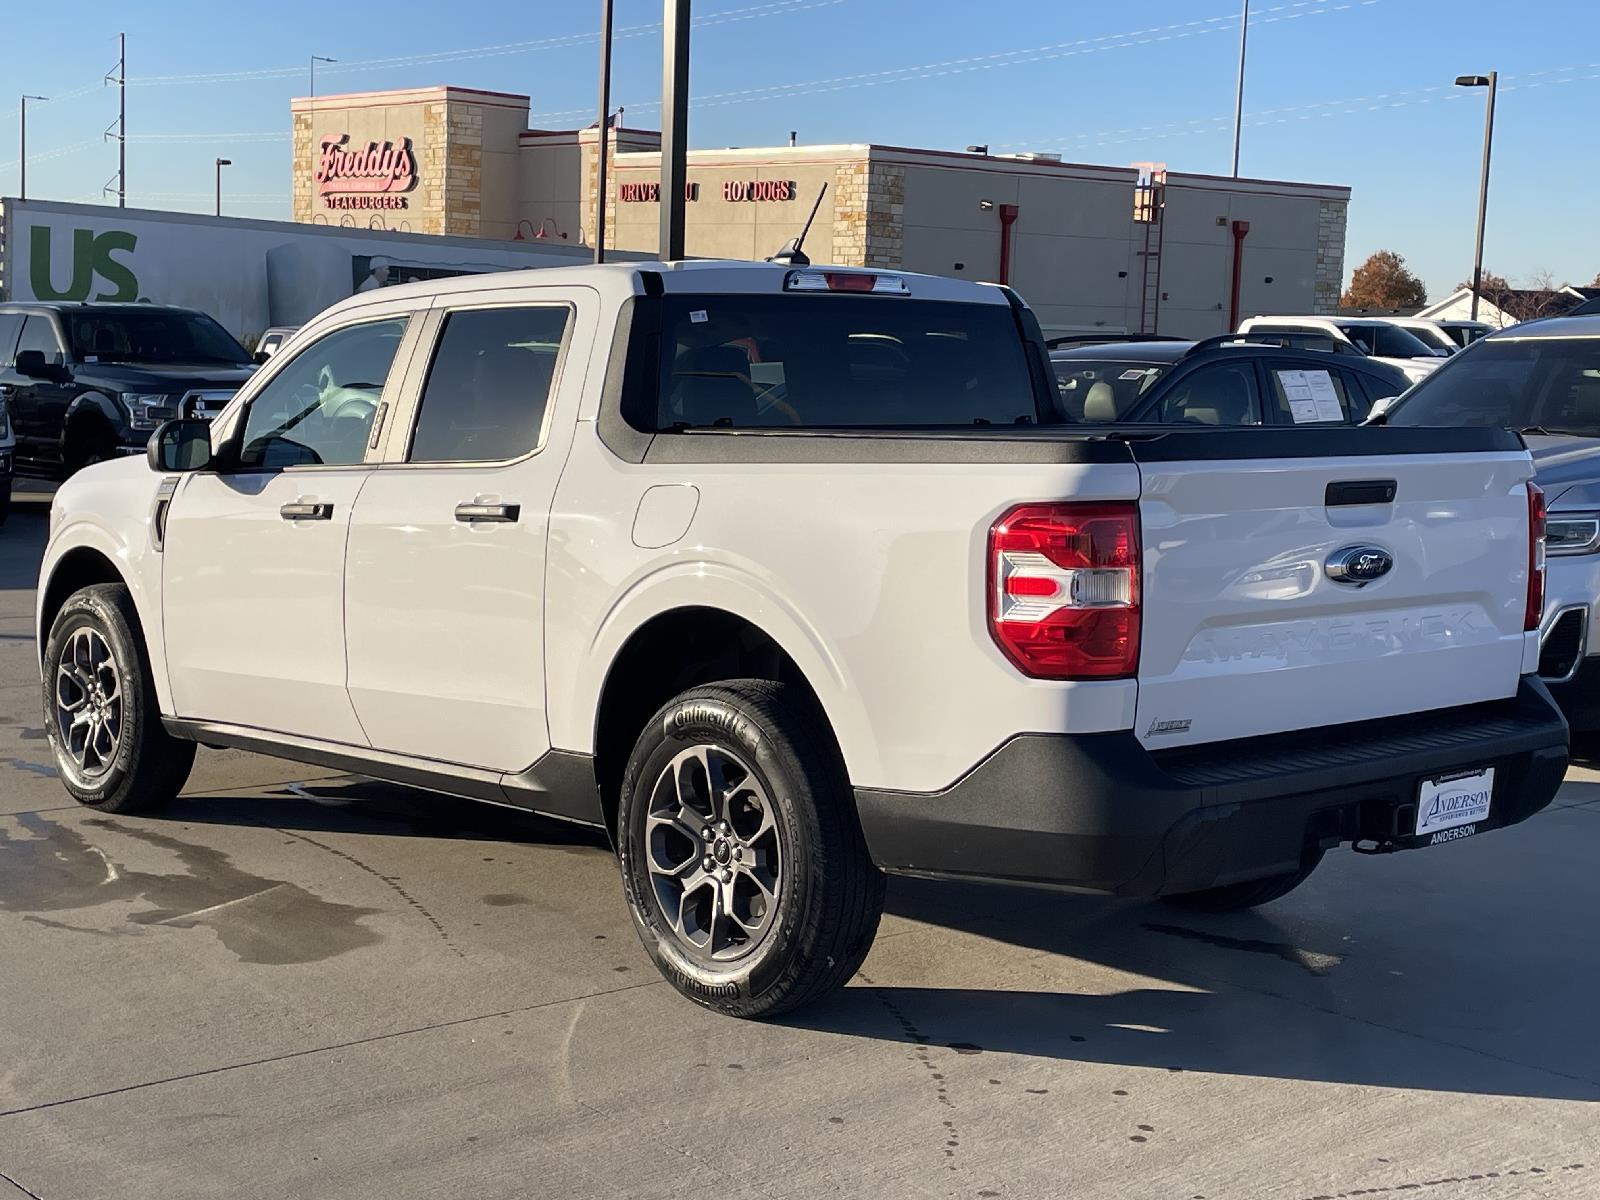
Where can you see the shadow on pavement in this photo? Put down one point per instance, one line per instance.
(1235, 994)
(366, 806)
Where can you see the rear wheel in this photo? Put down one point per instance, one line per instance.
(742, 858)
(100, 711)
(1237, 897)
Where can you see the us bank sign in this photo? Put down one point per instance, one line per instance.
(376, 175)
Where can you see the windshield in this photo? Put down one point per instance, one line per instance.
(1386, 341)
(1536, 384)
(151, 337)
(1103, 390)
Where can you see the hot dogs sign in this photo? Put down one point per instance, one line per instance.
(376, 175)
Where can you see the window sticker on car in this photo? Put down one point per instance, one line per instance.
(1134, 373)
(1311, 396)
(699, 317)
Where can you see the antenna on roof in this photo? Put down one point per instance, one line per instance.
(791, 255)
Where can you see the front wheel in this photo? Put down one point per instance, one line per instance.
(1237, 897)
(742, 859)
(100, 711)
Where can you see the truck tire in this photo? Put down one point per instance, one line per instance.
(100, 711)
(1237, 897)
(742, 857)
(89, 441)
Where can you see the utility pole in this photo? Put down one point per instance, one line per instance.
(674, 125)
(22, 161)
(602, 184)
(121, 126)
(315, 59)
(1238, 99)
(1490, 81)
(221, 162)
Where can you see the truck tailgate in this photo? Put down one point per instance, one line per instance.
(1248, 630)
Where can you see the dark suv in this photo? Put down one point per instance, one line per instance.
(87, 382)
(1234, 379)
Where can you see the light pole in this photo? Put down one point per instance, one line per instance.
(315, 59)
(1238, 97)
(221, 162)
(1484, 81)
(674, 124)
(602, 183)
(22, 161)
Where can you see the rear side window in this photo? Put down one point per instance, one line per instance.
(489, 385)
(754, 362)
(1312, 397)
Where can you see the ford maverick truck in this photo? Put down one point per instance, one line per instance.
(790, 576)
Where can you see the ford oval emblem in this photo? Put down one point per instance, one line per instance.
(1358, 565)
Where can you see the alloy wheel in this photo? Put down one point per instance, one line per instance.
(714, 853)
(88, 701)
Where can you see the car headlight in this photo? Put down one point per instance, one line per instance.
(1572, 533)
(147, 412)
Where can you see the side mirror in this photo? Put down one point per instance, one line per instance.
(1379, 413)
(260, 356)
(181, 445)
(32, 364)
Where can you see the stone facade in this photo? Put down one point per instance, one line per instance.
(1331, 218)
(304, 136)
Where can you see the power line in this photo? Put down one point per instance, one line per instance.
(1006, 58)
(728, 16)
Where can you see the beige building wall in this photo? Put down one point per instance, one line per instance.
(1078, 254)
(464, 142)
(717, 227)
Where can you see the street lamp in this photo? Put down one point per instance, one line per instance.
(1484, 81)
(1238, 96)
(315, 59)
(22, 161)
(221, 162)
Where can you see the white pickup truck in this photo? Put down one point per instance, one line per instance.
(788, 577)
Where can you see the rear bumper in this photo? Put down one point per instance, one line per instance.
(1100, 812)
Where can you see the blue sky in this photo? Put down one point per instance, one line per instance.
(1339, 91)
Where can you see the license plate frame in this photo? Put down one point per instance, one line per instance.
(1454, 804)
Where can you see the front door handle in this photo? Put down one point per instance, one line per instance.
(303, 510)
(504, 513)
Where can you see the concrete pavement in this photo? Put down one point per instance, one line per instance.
(302, 984)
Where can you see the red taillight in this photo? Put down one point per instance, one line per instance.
(1536, 521)
(1064, 589)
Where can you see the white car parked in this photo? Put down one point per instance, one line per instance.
(1379, 339)
(788, 576)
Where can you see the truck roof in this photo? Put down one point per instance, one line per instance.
(94, 306)
(619, 280)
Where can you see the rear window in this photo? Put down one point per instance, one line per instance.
(759, 362)
(1103, 390)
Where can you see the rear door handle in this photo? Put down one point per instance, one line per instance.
(504, 513)
(304, 510)
(1359, 491)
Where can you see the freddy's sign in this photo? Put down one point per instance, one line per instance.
(369, 177)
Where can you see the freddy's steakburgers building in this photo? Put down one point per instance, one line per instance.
(1137, 248)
